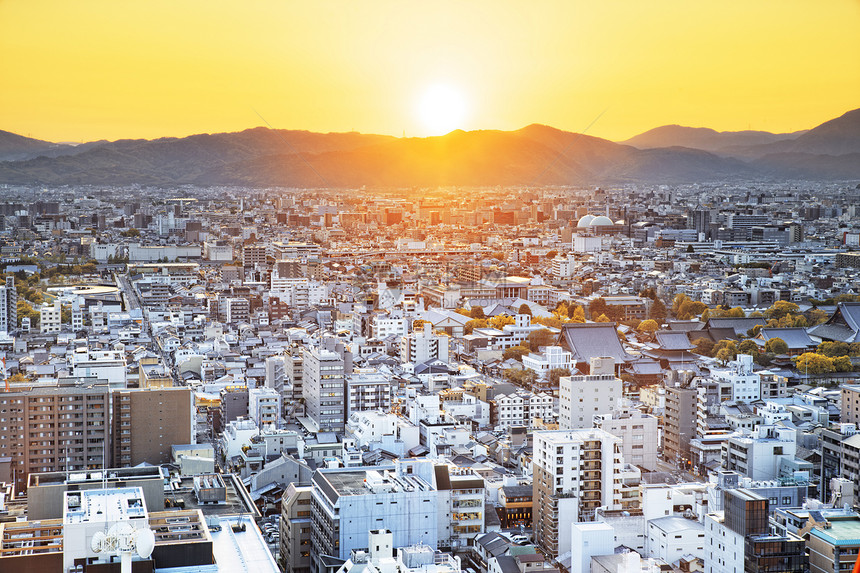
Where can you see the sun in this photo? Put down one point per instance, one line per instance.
(442, 109)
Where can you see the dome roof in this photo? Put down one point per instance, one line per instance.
(602, 221)
(584, 221)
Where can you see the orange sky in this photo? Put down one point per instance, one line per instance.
(92, 69)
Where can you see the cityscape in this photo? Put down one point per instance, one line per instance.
(623, 346)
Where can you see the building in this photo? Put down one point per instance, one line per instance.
(107, 365)
(367, 389)
(850, 405)
(51, 318)
(147, 422)
(745, 513)
(295, 528)
(574, 473)
(761, 454)
(679, 424)
(638, 432)
(379, 556)
(582, 397)
(264, 406)
(834, 544)
(418, 347)
(51, 428)
(9, 305)
(671, 537)
(323, 384)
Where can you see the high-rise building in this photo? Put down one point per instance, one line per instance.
(575, 472)
(583, 397)
(324, 368)
(679, 423)
(367, 389)
(52, 428)
(295, 528)
(147, 422)
(8, 305)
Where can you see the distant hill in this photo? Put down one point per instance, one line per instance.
(533, 155)
(15, 147)
(705, 138)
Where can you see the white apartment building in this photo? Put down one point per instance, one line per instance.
(520, 408)
(50, 318)
(381, 430)
(575, 472)
(384, 325)
(672, 537)
(418, 347)
(582, 397)
(746, 384)
(264, 406)
(106, 365)
(638, 433)
(759, 454)
(552, 358)
(367, 389)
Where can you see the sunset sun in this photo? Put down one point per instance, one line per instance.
(441, 109)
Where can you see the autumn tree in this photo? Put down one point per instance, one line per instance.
(550, 321)
(704, 346)
(602, 318)
(748, 347)
(813, 363)
(515, 352)
(525, 309)
(477, 312)
(729, 346)
(520, 376)
(470, 326)
(556, 374)
(776, 346)
(578, 315)
(500, 321)
(598, 306)
(842, 364)
(538, 338)
(649, 326)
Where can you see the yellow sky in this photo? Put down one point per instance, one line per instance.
(90, 69)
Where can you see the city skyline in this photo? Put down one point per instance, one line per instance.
(96, 70)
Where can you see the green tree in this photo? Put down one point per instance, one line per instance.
(748, 347)
(515, 352)
(724, 356)
(598, 306)
(728, 345)
(813, 363)
(781, 308)
(842, 364)
(833, 349)
(776, 346)
(658, 310)
(704, 346)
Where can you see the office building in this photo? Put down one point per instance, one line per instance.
(147, 422)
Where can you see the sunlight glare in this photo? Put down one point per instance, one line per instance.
(442, 109)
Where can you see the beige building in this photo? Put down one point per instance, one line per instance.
(295, 538)
(147, 422)
(52, 428)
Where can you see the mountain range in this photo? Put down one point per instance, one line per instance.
(533, 155)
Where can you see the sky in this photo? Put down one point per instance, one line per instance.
(108, 69)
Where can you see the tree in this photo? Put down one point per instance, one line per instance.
(473, 324)
(813, 363)
(748, 347)
(500, 321)
(477, 312)
(776, 346)
(538, 338)
(598, 306)
(466, 312)
(550, 255)
(842, 364)
(854, 349)
(781, 308)
(690, 308)
(578, 315)
(658, 310)
(418, 324)
(724, 356)
(705, 316)
(602, 318)
(648, 293)
(650, 326)
(515, 352)
(833, 349)
(815, 316)
(550, 321)
(704, 346)
(555, 375)
(679, 299)
(753, 332)
(728, 345)
(525, 309)
(520, 376)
